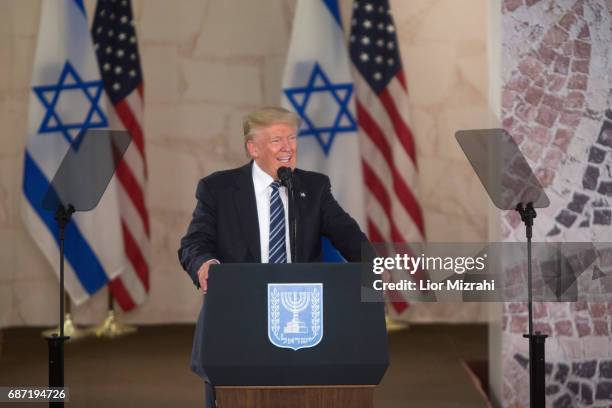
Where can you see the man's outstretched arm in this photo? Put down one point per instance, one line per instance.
(198, 246)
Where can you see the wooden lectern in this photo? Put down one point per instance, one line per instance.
(297, 397)
(235, 343)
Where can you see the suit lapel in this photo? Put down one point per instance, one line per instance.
(247, 210)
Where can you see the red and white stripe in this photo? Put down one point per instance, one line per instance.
(390, 171)
(131, 287)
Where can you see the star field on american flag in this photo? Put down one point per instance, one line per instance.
(373, 44)
(388, 150)
(115, 43)
(114, 36)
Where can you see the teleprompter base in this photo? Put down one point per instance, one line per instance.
(297, 396)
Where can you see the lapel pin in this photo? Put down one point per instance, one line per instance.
(303, 195)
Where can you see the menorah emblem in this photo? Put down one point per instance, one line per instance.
(295, 314)
(295, 302)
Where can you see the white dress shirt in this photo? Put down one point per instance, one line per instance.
(263, 192)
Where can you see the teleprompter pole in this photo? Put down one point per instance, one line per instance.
(55, 342)
(537, 363)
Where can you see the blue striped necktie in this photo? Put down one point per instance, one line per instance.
(278, 252)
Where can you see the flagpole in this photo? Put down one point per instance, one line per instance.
(70, 328)
(110, 326)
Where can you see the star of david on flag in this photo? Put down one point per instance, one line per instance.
(320, 93)
(71, 104)
(318, 86)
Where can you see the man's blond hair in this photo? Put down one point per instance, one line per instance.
(267, 116)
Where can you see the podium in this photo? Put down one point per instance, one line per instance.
(260, 341)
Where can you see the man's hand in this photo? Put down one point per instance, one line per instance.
(203, 274)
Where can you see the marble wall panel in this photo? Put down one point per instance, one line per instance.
(167, 82)
(237, 29)
(180, 24)
(233, 84)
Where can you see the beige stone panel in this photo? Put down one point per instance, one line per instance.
(474, 71)
(22, 60)
(9, 188)
(6, 50)
(6, 26)
(168, 227)
(242, 28)
(161, 73)
(453, 201)
(172, 299)
(196, 122)
(424, 128)
(235, 129)
(14, 140)
(7, 255)
(36, 302)
(453, 119)
(30, 263)
(410, 12)
(273, 80)
(171, 21)
(222, 82)
(430, 71)
(5, 116)
(453, 21)
(442, 227)
(173, 177)
(26, 17)
(6, 122)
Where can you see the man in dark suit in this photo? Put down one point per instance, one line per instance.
(242, 214)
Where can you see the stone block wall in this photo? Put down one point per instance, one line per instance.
(556, 102)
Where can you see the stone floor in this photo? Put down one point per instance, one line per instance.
(151, 368)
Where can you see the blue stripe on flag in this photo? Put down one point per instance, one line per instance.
(78, 252)
(330, 253)
(332, 5)
(81, 6)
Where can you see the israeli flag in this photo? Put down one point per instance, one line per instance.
(67, 96)
(317, 84)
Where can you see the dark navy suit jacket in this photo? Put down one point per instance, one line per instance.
(225, 226)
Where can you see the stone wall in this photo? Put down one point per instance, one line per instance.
(556, 102)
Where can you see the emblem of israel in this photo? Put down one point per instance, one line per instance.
(295, 314)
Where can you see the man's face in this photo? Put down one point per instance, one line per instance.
(273, 147)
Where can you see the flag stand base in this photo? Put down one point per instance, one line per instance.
(70, 330)
(393, 326)
(111, 328)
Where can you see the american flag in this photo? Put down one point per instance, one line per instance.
(114, 37)
(393, 212)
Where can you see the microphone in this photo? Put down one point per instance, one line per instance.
(285, 175)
